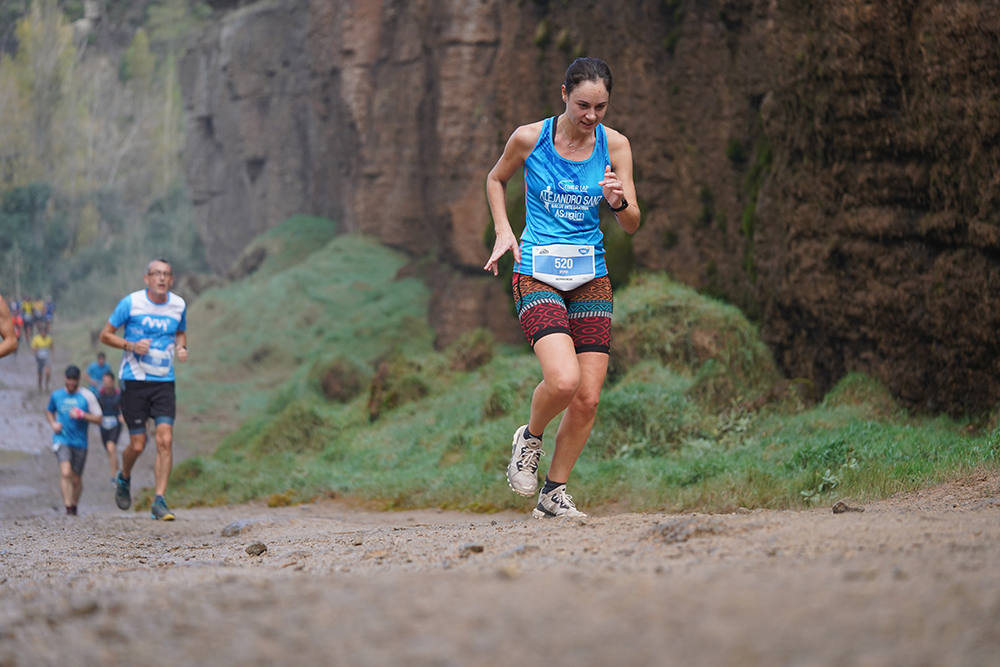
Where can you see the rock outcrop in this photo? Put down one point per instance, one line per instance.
(831, 167)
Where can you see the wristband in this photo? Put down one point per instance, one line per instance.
(620, 208)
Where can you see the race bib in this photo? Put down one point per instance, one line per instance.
(157, 362)
(563, 266)
(109, 422)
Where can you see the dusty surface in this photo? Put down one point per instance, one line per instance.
(913, 580)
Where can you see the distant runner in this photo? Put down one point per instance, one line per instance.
(29, 320)
(41, 343)
(155, 322)
(8, 334)
(96, 371)
(70, 411)
(111, 420)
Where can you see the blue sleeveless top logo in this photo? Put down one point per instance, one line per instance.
(562, 197)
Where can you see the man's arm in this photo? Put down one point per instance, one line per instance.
(109, 336)
(180, 342)
(8, 340)
(53, 422)
(94, 412)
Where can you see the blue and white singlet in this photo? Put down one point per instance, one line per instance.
(562, 197)
(160, 322)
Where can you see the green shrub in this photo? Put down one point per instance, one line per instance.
(471, 350)
(659, 320)
(865, 391)
(646, 414)
(299, 428)
(340, 379)
(398, 380)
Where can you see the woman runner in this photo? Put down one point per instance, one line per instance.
(561, 288)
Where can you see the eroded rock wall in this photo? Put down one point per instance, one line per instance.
(877, 238)
(828, 166)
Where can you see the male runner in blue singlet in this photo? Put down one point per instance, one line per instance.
(96, 371)
(70, 411)
(155, 334)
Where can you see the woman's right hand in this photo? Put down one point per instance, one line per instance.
(505, 241)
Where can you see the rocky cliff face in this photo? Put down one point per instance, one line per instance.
(829, 166)
(877, 235)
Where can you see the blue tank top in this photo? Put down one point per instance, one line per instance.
(561, 198)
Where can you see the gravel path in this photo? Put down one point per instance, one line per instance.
(913, 580)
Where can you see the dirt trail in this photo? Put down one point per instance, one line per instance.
(914, 580)
(29, 473)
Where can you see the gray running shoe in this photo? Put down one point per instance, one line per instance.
(123, 493)
(160, 510)
(556, 503)
(522, 471)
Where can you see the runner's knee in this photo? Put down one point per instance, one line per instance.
(164, 439)
(585, 402)
(563, 382)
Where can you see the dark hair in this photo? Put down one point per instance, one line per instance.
(109, 374)
(72, 372)
(101, 354)
(587, 69)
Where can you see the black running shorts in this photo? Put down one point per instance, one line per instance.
(142, 400)
(111, 434)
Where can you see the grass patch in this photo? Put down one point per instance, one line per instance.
(321, 378)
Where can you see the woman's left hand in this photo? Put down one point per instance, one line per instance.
(612, 188)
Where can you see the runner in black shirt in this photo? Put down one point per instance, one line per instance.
(111, 423)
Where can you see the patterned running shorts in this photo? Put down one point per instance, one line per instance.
(584, 313)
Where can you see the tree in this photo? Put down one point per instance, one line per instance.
(44, 65)
(138, 62)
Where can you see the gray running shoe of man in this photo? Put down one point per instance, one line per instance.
(522, 471)
(160, 511)
(556, 503)
(123, 494)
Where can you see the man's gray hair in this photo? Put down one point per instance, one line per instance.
(149, 267)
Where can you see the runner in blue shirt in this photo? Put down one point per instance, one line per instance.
(561, 288)
(70, 411)
(155, 334)
(96, 371)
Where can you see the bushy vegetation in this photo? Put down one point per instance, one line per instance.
(90, 144)
(694, 416)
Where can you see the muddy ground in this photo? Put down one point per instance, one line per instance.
(913, 580)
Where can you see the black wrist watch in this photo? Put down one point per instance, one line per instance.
(620, 208)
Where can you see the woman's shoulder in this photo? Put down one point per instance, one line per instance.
(522, 141)
(526, 136)
(615, 138)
